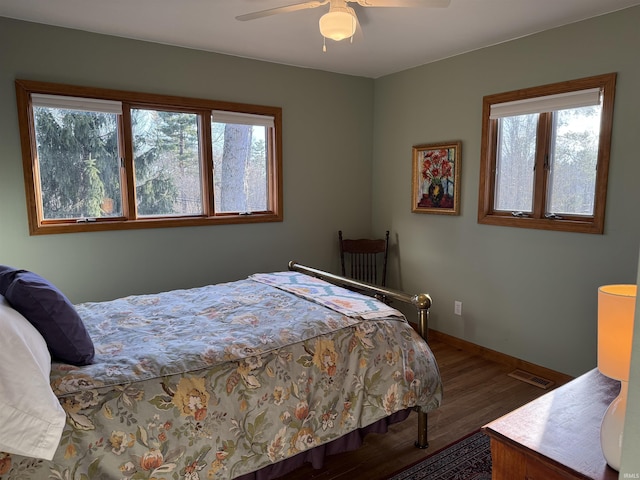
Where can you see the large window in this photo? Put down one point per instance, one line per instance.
(545, 156)
(97, 159)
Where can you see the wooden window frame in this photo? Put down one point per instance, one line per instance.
(569, 223)
(129, 219)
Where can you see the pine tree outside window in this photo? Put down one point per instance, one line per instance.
(98, 159)
(78, 159)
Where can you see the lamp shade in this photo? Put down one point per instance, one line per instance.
(339, 23)
(616, 310)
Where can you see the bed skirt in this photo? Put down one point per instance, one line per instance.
(315, 456)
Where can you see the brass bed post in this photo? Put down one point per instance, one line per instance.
(421, 301)
(422, 304)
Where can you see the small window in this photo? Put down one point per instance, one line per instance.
(167, 163)
(240, 162)
(100, 159)
(77, 157)
(545, 156)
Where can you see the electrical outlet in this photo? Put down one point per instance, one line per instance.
(457, 307)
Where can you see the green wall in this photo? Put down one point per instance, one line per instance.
(630, 460)
(327, 128)
(528, 293)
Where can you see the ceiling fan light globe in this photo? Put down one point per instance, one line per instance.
(337, 24)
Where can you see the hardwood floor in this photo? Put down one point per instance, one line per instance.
(477, 390)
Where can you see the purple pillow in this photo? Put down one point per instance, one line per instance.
(7, 274)
(53, 315)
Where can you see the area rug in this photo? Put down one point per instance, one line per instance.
(467, 459)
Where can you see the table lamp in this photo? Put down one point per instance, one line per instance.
(616, 310)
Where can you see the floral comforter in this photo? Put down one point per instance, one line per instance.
(218, 381)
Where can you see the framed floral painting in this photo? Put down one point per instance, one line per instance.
(436, 178)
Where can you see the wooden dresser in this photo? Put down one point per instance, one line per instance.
(557, 436)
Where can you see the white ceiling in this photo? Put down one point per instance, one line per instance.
(390, 40)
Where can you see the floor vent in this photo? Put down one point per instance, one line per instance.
(531, 378)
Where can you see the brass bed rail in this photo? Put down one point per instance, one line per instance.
(421, 301)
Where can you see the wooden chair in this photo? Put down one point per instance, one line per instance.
(364, 258)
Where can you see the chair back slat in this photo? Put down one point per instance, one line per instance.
(363, 258)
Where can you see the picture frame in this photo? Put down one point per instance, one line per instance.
(436, 178)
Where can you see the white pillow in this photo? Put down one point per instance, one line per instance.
(31, 418)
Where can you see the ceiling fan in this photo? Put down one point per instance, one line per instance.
(340, 21)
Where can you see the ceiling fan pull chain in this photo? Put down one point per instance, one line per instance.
(324, 44)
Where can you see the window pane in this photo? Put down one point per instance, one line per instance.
(574, 156)
(240, 167)
(79, 163)
(167, 163)
(515, 161)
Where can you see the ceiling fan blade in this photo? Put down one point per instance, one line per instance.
(403, 3)
(283, 9)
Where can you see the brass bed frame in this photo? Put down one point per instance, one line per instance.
(421, 301)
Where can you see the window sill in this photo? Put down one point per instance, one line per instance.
(576, 226)
(110, 224)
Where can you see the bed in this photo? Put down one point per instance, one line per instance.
(246, 379)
